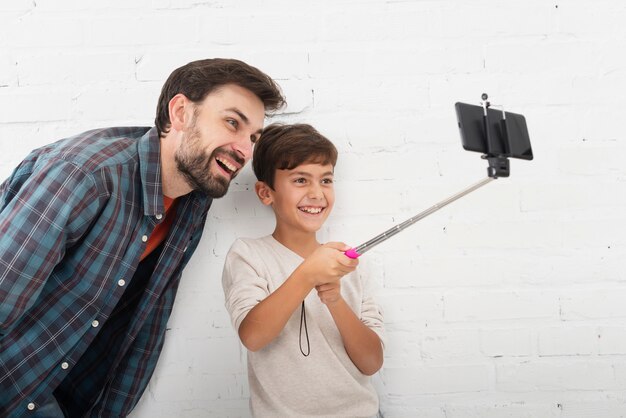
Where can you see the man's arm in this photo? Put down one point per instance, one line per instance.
(361, 343)
(41, 214)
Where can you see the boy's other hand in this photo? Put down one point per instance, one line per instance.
(328, 263)
(329, 293)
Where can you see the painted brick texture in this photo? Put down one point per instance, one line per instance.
(508, 303)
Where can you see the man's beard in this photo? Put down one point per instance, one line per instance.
(193, 164)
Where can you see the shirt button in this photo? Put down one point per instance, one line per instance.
(121, 282)
(144, 238)
(65, 365)
(158, 216)
(185, 249)
(31, 406)
(95, 323)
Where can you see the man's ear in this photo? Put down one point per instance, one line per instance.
(263, 192)
(178, 111)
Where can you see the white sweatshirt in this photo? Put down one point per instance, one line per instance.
(284, 383)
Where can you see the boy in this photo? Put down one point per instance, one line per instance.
(268, 282)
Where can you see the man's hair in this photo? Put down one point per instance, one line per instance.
(284, 147)
(199, 78)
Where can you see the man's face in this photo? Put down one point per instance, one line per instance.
(217, 141)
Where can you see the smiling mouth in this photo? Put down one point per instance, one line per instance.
(226, 166)
(311, 209)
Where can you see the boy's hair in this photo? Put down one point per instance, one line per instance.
(199, 78)
(284, 147)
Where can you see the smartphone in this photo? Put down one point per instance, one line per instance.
(508, 132)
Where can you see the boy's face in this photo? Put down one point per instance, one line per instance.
(218, 139)
(302, 198)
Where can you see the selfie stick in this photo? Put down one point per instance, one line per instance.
(498, 167)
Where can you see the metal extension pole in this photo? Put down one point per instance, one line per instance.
(363, 248)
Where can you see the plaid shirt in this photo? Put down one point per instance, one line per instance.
(74, 217)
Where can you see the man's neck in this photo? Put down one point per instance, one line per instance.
(173, 183)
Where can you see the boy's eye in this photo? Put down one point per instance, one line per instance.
(232, 122)
(300, 180)
(327, 181)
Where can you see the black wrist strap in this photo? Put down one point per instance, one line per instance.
(306, 332)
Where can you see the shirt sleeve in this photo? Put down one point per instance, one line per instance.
(371, 313)
(41, 214)
(244, 287)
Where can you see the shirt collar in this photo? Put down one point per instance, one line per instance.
(149, 149)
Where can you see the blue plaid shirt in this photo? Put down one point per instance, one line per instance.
(74, 217)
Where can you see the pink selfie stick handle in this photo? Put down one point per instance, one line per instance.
(352, 253)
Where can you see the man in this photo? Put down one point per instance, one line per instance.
(95, 231)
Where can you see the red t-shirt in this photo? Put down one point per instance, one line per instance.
(161, 230)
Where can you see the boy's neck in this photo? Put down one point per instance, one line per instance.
(301, 243)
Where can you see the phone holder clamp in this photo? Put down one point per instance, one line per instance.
(498, 164)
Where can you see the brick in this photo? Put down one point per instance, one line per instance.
(506, 342)
(436, 379)
(16, 6)
(40, 31)
(73, 68)
(568, 341)
(572, 197)
(417, 59)
(447, 344)
(133, 104)
(411, 308)
(34, 105)
(141, 30)
(557, 55)
(611, 340)
(405, 411)
(590, 159)
(8, 71)
(500, 410)
(592, 304)
(555, 375)
(499, 305)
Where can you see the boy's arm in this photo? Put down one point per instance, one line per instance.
(268, 317)
(363, 345)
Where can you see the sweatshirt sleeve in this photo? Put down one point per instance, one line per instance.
(243, 285)
(371, 312)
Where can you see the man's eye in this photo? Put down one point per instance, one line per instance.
(327, 181)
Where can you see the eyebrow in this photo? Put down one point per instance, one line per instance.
(304, 173)
(240, 113)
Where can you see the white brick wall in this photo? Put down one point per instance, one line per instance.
(508, 303)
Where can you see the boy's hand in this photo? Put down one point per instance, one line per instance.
(329, 293)
(328, 264)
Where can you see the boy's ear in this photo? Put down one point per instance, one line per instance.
(263, 192)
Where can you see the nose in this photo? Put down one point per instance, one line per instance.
(243, 147)
(315, 191)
